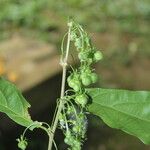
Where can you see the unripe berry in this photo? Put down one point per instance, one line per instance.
(83, 56)
(94, 77)
(22, 145)
(82, 100)
(86, 79)
(74, 83)
(98, 56)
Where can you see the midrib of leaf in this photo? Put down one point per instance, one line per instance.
(123, 112)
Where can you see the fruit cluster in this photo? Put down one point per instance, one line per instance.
(88, 55)
(73, 120)
(74, 125)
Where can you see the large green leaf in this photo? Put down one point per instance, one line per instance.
(13, 103)
(123, 109)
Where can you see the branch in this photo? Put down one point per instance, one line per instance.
(63, 63)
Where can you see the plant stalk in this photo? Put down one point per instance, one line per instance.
(63, 63)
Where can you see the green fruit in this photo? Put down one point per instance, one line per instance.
(94, 77)
(70, 110)
(81, 99)
(75, 129)
(90, 61)
(67, 140)
(68, 134)
(86, 79)
(98, 56)
(76, 88)
(69, 78)
(76, 145)
(83, 56)
(71, 83)
(87, 70)
(75, 84)
(22, 145)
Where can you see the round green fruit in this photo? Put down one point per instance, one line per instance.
(86, 79)
(75, 84)
(22, 145)
(94, 77)
(83, 56)
(76, 87)
(75, 129)
(98, 56)
(82, 100)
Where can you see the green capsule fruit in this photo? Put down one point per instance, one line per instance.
(77, 145)
(75, 129)
(85, 70)
(98, 56)
(90, 61)
(94, 77)
(86, 79)
(75, 84)
(69, 78)
(22, 145)
(70, 110)
(82, 100)
(83, 56)
(71, 83)
(68, 134)
(76, 87)
(67, 140)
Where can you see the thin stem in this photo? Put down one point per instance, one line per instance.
(63, 63)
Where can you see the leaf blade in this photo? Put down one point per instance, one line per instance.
(13, 104)
(126, 110)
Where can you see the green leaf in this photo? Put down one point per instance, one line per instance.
(13, 103)
(126, 110)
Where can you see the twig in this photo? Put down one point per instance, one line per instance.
(63, 63)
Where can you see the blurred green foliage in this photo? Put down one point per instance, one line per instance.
(37, 13)
(29, 13)
(111, 16)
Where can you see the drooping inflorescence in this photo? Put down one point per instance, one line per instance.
(73, 119)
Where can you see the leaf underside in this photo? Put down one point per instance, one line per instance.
(126, 110)
(13, 104)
